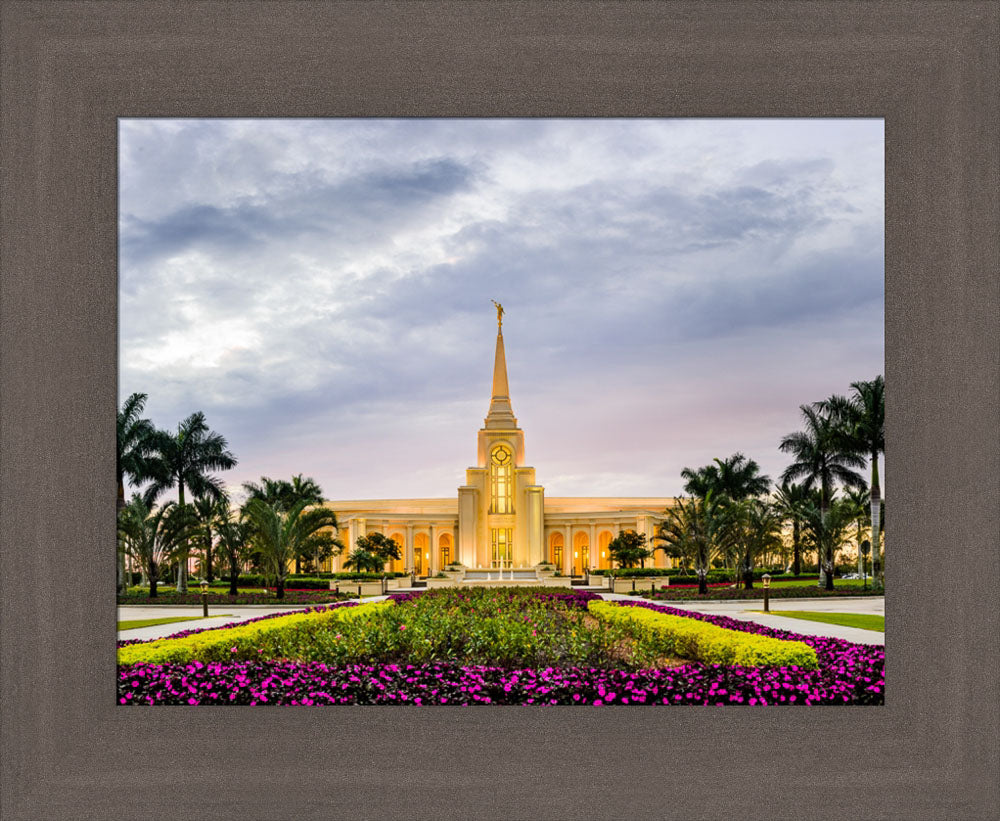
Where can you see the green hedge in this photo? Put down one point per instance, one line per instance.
(705, 642)
(234, 643)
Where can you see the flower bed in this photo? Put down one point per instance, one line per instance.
(726, 592)
(846, 673)
(291, 597)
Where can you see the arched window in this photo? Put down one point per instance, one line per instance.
(445, 545)
(501, 480)
(556, 550)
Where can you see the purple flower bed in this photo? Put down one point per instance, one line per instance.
(684, 593)
(191, 632)
(848, 674)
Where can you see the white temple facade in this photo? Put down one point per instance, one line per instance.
(500, 517)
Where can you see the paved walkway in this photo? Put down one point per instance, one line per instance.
(745, 611)
(237, 613)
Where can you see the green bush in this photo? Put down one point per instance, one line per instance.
(237, 643)
(705, 642)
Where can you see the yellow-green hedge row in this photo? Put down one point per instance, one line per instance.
(701, 641)
(217, 644)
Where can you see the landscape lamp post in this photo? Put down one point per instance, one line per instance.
(204, 598)
(766, 579)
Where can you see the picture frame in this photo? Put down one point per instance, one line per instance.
(70, 70)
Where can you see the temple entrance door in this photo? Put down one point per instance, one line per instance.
(581, 553)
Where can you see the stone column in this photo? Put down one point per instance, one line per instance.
(593, 559)
(432, 562)
(454, 544)
(567, 567)
(409, 548)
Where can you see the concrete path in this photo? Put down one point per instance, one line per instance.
(745, 611)
(135, 612)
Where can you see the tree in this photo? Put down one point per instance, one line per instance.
(155, 537)
(135, 446)
(280, 535)
(687, 528)
(286, 495)
(234, 544)
(364, 561)
(209, 512)
(628, 549)
(183, 460)
(827, 532)
(857, 502)
(862, 417)
(822, 459)
(760, 526)
(381, 546)
(792, 501)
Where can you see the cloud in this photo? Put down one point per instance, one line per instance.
(321, 288)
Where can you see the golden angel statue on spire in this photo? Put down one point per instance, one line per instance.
(500, 312)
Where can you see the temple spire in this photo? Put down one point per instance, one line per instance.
(500, 415)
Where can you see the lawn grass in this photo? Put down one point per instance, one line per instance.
(782, 582)
(133, 623)
(864, 621)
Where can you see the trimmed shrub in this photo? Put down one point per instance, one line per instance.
(234, 643)
(708, 643)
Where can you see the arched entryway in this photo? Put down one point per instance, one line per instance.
(446, 548)
(421, 554)
(556, 550)
(603, 558)
(581, 553)
(398, 565)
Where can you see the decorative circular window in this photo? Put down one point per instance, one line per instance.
(501, 456)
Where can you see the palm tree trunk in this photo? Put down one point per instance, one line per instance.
(152, 580)
(796, 549)
(279, 592)
(876, 498)
(182, 581)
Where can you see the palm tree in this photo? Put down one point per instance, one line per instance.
(863, 419)
(155, 537)
(737, 477)
(857, 501)
(822, 459)
(364, 561)
(234, 544)
(135, 447)
(209, 512)
(791, 500)
(762, 522)
(184, 460)
(688, 528)
(828, 532)
(280, 535)
(286, 495)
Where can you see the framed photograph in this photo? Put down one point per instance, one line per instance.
(76, 78)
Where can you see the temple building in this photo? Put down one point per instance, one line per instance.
(500, 517)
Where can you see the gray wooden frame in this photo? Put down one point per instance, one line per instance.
(69, 69)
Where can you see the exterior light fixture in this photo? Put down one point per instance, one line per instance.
(204, 598)
(766, 579)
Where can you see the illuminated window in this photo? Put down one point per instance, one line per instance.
(556, 547)
(502, 538)
(501, 481)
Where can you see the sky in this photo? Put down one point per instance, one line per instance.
(674, 290)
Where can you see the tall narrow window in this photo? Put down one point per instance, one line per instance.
(503, 539)
(501, 481)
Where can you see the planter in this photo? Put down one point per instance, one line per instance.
(643, 583)
(433, 583)
(556, 581)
